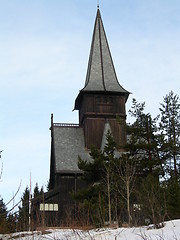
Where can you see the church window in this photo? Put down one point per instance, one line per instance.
(52, 207)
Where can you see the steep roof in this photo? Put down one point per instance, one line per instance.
(101, 75)
(68, 145)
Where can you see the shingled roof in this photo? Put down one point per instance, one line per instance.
(101, 75)
(68, 145)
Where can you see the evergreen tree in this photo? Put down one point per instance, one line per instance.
(152, 197)
(7, 219)
(143, 141)
(173, 198)
(91, 198)
(3, 217)
(144, 147)
(170, 130)
(134, 175)
(23, 219)
(38, 192)
(98, 175)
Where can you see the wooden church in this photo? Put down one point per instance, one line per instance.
(99, 103)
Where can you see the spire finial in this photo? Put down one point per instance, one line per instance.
(97, 4)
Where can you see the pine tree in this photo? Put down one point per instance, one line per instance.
(170, 130)
(152, 197)
(23, 218)
(144, 147)
(173, 198)
(143, 141)
(36, 191)
(7, 219)
(98, 175)
(3, 217)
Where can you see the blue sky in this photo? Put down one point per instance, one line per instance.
(44, 50)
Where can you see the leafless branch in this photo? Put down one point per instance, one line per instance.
(14, 194)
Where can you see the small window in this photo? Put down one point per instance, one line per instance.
(49, 207)
(55, 207)
(46, 207)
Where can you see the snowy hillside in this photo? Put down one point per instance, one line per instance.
(171, 231)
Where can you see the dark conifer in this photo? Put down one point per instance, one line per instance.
(170, 130)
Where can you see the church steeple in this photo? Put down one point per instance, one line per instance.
(101, 75)
(102, 99)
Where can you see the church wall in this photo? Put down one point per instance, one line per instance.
(93, 128)
(61, 195)
(95, 110)
(97, 104)
(119, 132)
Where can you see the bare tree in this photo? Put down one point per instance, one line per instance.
(126, 169)
(14, 195)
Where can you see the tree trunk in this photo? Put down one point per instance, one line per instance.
(109, 196)
(128, 202)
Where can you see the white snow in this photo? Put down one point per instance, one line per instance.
(170, 231)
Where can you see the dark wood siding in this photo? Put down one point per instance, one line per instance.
(119, 132)
(62, 195)
(95, 110)
(93, 132)
(101, 104)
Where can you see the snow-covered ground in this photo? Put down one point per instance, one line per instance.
(171, 231)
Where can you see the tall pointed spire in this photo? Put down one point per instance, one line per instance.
(101, 75)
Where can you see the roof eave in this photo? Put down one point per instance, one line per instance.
(82, 92)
